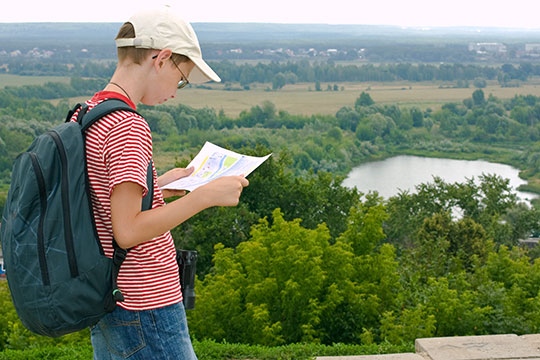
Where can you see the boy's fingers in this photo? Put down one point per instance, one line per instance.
(186, 172)
(244, 181)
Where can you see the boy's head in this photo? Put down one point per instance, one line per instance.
(161, 29)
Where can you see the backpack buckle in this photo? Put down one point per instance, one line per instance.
(119, 255)
(117, 295)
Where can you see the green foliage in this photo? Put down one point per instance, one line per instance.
(289, 284)
(211, 350)
(443, 246)
(55, 90)
(21, 120)
(489, 203)
(479, 83)
(63, 352)
(14, 336)
(454, 311)
(364, 100)
(266, 291)
(332, 265)
(411, 324)
(365, 231)
(279, 81)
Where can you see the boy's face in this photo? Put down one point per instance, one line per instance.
(165, 83)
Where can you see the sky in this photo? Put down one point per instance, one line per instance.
(409, 13)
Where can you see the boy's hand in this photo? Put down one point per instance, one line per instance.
(169, 177)
(224, 191)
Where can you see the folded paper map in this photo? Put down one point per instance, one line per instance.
(213, 162)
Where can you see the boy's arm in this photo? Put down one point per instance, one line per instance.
(131, 226)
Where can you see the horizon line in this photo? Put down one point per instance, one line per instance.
(416, 27)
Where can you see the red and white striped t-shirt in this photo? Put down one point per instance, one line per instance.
(118, 149)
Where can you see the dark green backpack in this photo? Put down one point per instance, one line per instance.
(59, 278)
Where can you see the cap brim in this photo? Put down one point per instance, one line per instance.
(202, 73)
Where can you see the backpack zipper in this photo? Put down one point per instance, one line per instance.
(43, 200)
(68, 233)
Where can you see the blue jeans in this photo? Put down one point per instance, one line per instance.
(157, 334)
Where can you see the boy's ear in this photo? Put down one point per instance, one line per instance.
(161, 57)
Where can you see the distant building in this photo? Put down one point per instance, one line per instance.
(529, 243)
(39, 53)
(531, 49)
(289, 52)
(488, 48)
(361, 53)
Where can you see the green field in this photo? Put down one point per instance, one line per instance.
(17, 80)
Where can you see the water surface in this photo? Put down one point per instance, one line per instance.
(390, 176)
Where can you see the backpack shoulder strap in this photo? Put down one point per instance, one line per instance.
(102, 109)
(72, 111)
(149, 198)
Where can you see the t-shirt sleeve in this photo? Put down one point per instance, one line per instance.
(127, 151)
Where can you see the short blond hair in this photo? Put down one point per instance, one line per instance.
(137, 55)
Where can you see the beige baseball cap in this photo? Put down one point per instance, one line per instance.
(162, 29)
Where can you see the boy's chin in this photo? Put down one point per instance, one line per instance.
(149, 102)
(152, 102)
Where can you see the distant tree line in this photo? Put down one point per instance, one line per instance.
(305, 71)
(282, 73)
(44, 67)
(52, 90)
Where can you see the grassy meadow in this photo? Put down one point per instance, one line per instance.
(17, 80)
(302, 98)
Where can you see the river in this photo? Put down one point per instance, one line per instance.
(390, 176)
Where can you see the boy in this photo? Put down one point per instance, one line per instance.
(158, 53)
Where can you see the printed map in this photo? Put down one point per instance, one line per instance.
(213, 162)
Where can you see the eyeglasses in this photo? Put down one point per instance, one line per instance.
(182, 83)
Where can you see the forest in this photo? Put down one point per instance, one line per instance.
(290, 72)
(304, 260)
